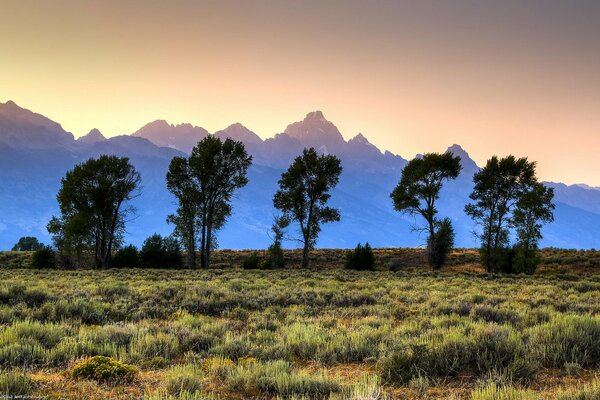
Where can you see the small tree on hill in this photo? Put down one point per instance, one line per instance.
(27, 243)
(361, 258)
(417, 192)
(159, 252)
(304, 192)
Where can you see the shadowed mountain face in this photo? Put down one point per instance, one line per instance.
(35, 153)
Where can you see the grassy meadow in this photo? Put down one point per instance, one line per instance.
(324, 333)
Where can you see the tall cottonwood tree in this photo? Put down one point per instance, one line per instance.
(532, 210)
(506, 195)
(304, 192)
(181, 183)
(93, 205)
(417, 192)
(204, 185)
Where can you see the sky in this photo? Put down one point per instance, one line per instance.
(496, 77)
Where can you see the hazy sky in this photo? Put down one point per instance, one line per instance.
(497, 77)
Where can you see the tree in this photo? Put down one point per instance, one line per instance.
(204, 185)
(93, 204)
(27, 243)
(275, 257)
(186, 221)
(304, 192)
(126, 257)
(417, 192)
(159, 252)
(502, 187)
(361, 258)
(43, 258)
(532, 210)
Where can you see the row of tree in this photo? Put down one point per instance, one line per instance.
(508, 201)
(94, 201)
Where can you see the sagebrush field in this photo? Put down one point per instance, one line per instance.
(320, 333)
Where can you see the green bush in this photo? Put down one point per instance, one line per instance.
(183, 379)
(104, 370)
(275, 258)
(252, 261)
(495, 392)
(361, 258)
(567, 339)
(589, 392)
(15, 384)
(126, 257)
(279, 379)
(439, 248)
(44, 257)
(159, 252)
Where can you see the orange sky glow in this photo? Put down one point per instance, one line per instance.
(497, 77)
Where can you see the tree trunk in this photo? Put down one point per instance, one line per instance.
(191, 256)
(191, 248)
(208, 243)
(203, 244)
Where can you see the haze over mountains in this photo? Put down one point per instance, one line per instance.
(35, 153)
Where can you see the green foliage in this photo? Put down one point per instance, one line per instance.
(440, 244)
(275, 258)
(507, 194)
(126, 257)
(252, 261)
(14, 384)
(589, 392)
(567, 339)
(279, 379)
(184, 379)
(44, 257)
(304, 192)
(451, 351)
(495, 392)
(361, 258)
(93, 206)
(204, 185)
(159, 252)
(417, 192)
(27, 243)
(104, 370)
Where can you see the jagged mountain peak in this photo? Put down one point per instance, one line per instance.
(457, 150)
(181, 137)
(315, 115)
(360, 138)
(23, 128)
(239, 132)
(316, 131)
(21, 115)
(469, 166)
(93, 136)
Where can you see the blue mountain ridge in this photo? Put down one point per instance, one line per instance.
(35, 153)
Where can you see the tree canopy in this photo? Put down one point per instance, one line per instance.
(304, 192)
(507, 195)
(93, 205)
(204, 185)
(27, 243)
(417, 192)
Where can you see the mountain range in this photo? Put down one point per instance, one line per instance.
(35, 153)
